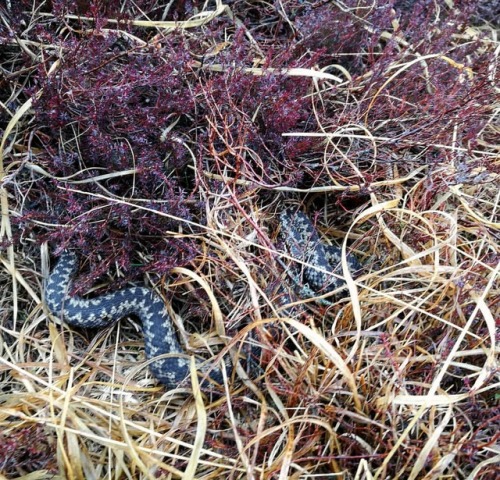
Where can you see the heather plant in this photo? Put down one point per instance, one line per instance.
(26, 449)
(161, 140)
(116, 104)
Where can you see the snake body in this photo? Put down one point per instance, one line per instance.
(319, 264)
(172, 368)
(159, 335)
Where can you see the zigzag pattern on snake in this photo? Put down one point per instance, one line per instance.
(302, 241)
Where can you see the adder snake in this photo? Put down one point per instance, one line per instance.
(316, 262)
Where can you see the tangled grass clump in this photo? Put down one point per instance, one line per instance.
(160, 140)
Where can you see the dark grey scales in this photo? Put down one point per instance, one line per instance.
(318, 261)
(301, 239)
(158, 330)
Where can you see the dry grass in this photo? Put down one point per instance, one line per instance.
(399, 380)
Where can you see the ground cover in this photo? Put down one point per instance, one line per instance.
(160, 140)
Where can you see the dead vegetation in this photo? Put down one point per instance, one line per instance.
(161, 142)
